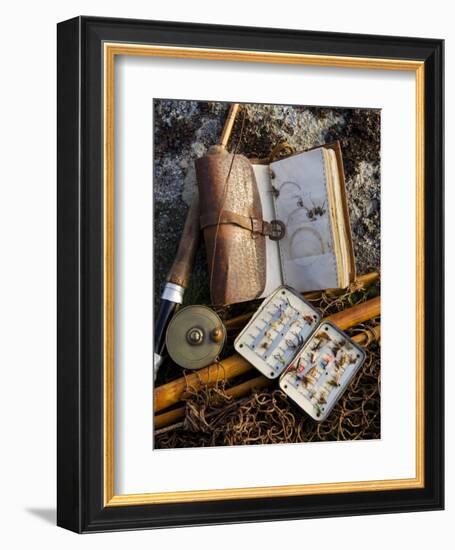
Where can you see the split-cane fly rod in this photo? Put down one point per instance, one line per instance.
(179, 275)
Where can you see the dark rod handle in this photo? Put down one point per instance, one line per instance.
(167, 309)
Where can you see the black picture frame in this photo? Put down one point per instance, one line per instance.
(80, 477)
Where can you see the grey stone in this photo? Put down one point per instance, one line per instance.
(372, 207)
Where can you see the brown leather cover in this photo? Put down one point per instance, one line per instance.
(238, 255)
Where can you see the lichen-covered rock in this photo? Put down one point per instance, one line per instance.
(184, 130)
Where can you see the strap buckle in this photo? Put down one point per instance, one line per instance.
(278, 230)
(274, 229)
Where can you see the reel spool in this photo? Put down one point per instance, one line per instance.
(195, 337)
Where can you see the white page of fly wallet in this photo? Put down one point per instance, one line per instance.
(306, 192)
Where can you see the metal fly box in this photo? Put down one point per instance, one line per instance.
(322, 370)
(277, 331)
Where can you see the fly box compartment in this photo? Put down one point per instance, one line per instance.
(322, 370)
(276, 332)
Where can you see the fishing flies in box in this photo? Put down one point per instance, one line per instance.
(322, 370)
(277, 331)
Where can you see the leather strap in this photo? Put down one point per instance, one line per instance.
(275, 229)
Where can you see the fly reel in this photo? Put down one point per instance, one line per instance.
(195, 337)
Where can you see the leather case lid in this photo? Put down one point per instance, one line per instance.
(236, 254)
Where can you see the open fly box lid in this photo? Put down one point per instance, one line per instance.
(322, 370)
(280, 327)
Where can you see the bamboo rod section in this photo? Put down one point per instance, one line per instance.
(172, 392)
(166, 419)
(357, 314)
(364, 281)
(240, 390)
(233, 109)
(372, 334)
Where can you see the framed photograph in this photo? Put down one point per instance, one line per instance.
(250, 274)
